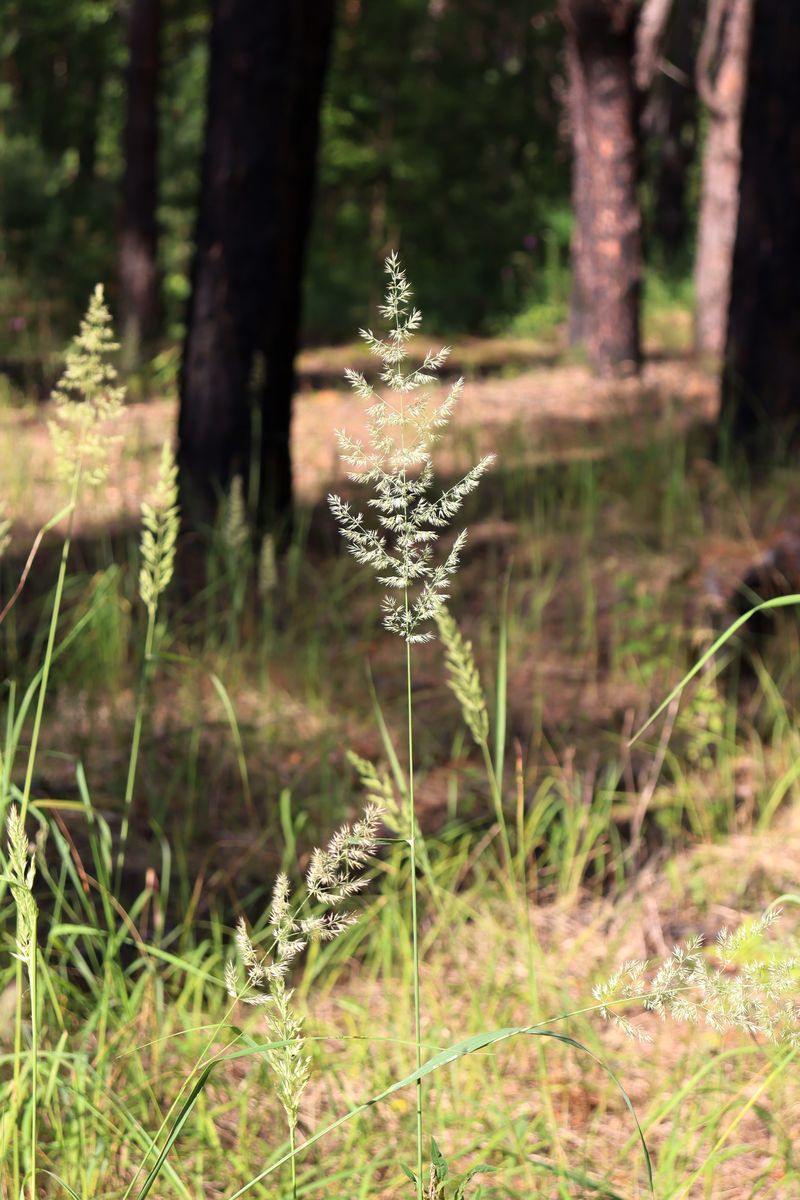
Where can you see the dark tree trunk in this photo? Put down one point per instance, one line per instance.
(140, 299)
(677, 143)
(761, 383)
(266, 73)
(602, 102)
(722, 82)
(669, 118)
(312, 22)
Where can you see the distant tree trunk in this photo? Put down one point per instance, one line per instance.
(602, 104)
(580, 300)
(312, 36)
(761, 383)
(138, 265)
(266, 72)
(722, 83)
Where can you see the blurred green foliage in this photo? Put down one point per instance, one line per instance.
(440, 137)
(441, 140)
(443, 137)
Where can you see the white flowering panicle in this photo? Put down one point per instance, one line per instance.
(86, 398)
(757, 997)
(334, 874)
(403, 424)
(160, 525)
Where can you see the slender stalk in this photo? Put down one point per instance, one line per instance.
(34, 1059)
(24, 803)
(497, 801)
(149, 643)
(51, 640)
(15, 1146)
(293, 1160)
(412, 842)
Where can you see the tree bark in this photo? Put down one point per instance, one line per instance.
(722, 82)
(760, 407)
(140, 300)
(580, 300)
(602, 104)
(266, 72)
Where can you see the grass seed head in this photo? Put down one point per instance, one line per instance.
(403, 424)
(755, 997)
(86, 398)
(21, 874)
(160, 526)
(334, 874)
(462, 676)
(5, 530)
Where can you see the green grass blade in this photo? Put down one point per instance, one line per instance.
(174, 1133)
(777, 602)
(470, 1045)
(61, 1183)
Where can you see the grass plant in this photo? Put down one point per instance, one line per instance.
(403, 425)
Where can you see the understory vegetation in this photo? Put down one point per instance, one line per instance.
(501, 977)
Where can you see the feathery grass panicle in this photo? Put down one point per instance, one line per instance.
(235, 530)
(86, 397)
(334, 874)
(463, 678)
(267, 566)
(160, 526)
(402, 428)
(757, 997)
(21, 874)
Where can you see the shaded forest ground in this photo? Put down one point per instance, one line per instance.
(605, 547)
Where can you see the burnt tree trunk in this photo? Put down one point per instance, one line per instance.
(312, 22)
(603, 118)
(722, 82)
(761, 380)
(665, 78)
(266, 73)
(140, 298)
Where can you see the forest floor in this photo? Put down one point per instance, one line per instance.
(604, 550)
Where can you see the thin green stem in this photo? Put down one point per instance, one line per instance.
(34, 1058)
(497, 801)
(15, 1144)
(51, 639)
(130, 782)
(293, 1160)
(26, 795)
(412, 842)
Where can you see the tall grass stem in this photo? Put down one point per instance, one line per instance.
(130, 782)
(412, 841)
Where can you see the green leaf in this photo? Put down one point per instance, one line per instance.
(438, 1161)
